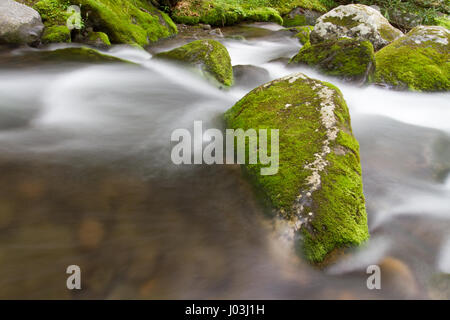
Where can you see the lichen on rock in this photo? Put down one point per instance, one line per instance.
(355, 21)
(210, 56)
(351, 59)
(418, 61)
(318, 187)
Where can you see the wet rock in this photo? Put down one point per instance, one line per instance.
(398, 278)
(318, 185)
(210, 56)
(350, 59)
(250, 76)
(417, 61)
(355, 21)
(19, 24)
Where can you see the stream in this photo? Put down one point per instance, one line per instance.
(87, 180)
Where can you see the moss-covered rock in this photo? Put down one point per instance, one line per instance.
(347, 58)
(418, 61)
(222, 13)
(53, 12)
(304, 33)
(98, 39)
(131, 22)
(318, 187)
(56, 34)
(209, 55)
(355, 21)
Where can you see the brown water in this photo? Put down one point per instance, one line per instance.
(87, 180)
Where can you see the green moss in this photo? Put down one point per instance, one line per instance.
(56, 34)
(423, 65)
(210, 55)
(303, 33)
(339, 218)
(443, 21)
(53, 12)
(222, 13)
(298, 20)
(98, 38)
(132, 22)
(348, 58)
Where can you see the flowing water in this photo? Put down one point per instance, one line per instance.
(87, 180)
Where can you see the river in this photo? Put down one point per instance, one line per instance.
(87, 180)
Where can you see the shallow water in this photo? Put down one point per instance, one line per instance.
(87, 180)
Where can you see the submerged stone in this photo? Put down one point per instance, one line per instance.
(209, 55)
(318, 187)
(353, 60)
(418, 61)
(355, 21)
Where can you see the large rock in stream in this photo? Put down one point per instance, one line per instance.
(355, 21)
(19, 24)
(350, 59)
(418, 61)
(210, 56)
(318, 187)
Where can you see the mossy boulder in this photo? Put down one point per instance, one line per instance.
(56, 34)
(351, 59)
(418, 61)
(355, 21)
(210, 56)
(98, 39)
(304, 33)
(318, 187)
(130, 22)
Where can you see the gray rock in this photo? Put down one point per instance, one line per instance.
(355, 21)
(19, 24)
